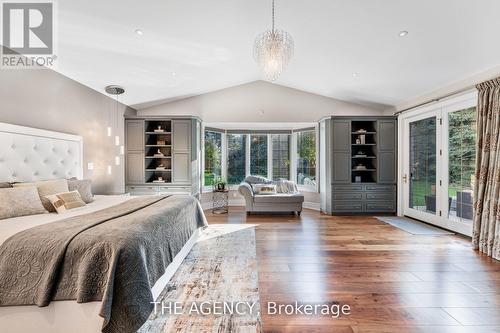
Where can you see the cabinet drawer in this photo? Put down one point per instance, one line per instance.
(380, 196)
(347, 206)
(380, 188)
(175, 190)
(347, 187)
(142, 190)
(347, 195)
(379, 206)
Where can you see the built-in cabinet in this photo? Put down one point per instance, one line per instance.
(160, 155)
(358, 163)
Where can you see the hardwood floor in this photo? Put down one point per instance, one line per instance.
(393, 281)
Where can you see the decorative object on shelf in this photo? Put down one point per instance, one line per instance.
(220, 201)
(158, 154)
(273, 50)
(360, 167)
(159, 129)
(357, 179)
(362, 139)
(159, 180)
(358, 141)
(160, 167)
(220, 184)
(361, 130)
(360, 154)
(160, 142)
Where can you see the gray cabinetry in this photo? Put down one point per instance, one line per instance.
(161, 154)
(341, 151)
(362, 154)
(181, 141)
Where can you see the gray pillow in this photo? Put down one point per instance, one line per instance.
(45, 188)
(5, 185)
(257, 180)
(20, 201)
(84, 187)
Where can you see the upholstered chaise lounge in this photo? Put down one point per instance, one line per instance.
(290, 201)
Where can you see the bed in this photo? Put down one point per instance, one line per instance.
(94, 268)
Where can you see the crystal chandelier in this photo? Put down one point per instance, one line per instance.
(273, 50)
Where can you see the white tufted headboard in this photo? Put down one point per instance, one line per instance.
(29, 154)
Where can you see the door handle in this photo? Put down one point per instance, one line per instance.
(405, 178)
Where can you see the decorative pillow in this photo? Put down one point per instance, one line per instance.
(257, 180)
(46, 188)
(66, 201)
(5, 185)
(20, 201)
(264, 189)
(286, 186)
(84, 187)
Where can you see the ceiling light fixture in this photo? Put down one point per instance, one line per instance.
(273, 50)
(355, 75)
(403, 33)
(139, 32)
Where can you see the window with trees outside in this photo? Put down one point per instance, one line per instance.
(236, 156)
(258, 155)
(306, 158)
(281, 156)
(233, 156)
(213, 157)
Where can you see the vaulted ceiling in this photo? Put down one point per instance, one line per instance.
(349, 50)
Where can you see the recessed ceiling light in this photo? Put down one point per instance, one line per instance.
(403, 33)
(174, 73)
(355, 75)
(139, 32)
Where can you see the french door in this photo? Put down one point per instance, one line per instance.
(438, 163)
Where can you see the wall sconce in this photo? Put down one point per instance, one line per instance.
(117, 140)
(109, 170)
(117, 160)
(90, 166)
(122, 150)
(109, 130)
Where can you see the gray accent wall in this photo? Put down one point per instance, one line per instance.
(48, 100)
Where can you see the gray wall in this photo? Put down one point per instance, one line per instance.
(48, 100)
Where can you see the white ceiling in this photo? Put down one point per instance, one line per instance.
(208, 45)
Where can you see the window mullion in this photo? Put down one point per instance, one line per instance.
(247, 155)
(269, 156)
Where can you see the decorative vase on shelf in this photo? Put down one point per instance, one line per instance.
(159, 129)
(358, 141)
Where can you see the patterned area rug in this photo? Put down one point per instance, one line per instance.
(220, 271)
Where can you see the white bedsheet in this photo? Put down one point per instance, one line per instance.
(9, 227)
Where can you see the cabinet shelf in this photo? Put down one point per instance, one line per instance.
(158, 145)
(357, 133)
(364, 157)
(158, 133)
(364, 144)
(364, 170)
(158, 157)
(159, 170)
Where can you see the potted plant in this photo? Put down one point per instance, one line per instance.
(220, 184)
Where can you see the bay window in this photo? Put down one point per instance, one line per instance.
(213, 157)
(306, 158)
(258, 155)
(278, 154)
(236, 157)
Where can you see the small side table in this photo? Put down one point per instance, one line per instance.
(220, 200)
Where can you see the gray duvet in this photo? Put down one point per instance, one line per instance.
(114, 255)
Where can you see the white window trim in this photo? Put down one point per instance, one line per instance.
(294, 159)
(208, 188)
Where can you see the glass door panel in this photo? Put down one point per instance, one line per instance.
(461, 164)
(422, 165)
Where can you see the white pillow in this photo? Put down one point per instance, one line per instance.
(264, 189)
